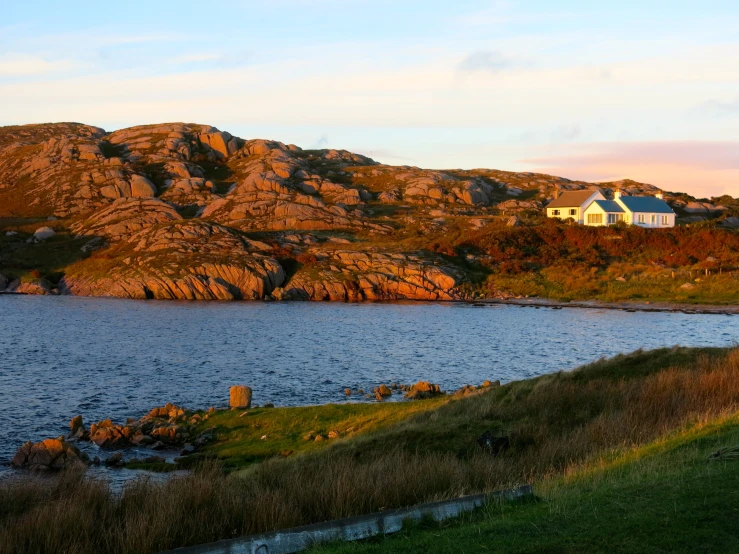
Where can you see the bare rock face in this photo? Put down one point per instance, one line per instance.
(515, 206)
(142, 187)
(279, 190)
(49, 454)
(187, 260)
(174, 141)
(125, 217)
(65, 169)
(223, 144)
(356, 276)
(240, 397)
(37, 287)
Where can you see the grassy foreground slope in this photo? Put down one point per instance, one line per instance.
(572, 434)
(663, 497)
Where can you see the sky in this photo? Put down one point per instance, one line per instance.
(588, 90)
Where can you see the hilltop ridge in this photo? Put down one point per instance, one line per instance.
(182, 210)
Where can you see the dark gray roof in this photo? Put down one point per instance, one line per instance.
(646, 204)
(610, 206)
(571, 199)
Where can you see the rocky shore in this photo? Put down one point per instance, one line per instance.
(175, 429)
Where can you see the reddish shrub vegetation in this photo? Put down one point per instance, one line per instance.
(307, 259)
(518, 249)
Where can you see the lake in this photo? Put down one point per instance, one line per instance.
(63, 356)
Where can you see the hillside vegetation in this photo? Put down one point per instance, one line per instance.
(574, 431)
(185, 211)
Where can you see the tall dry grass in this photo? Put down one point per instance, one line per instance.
(555, 422)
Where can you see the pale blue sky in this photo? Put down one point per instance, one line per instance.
(647, 90)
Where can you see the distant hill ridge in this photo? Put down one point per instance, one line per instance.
(181, 210)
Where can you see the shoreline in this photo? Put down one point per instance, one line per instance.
(532, 302)
(645, 306)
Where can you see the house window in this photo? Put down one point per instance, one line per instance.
(654, 219)
(595, 219)
(555, 212)
(615, 218)
(665, 220)
(573, 211)
(642, 218)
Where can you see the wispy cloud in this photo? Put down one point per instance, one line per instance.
(699, 167)
(385, 155)
(485, 60)
(26, 66)
(722, 108)
(566, 133)
(321, 142)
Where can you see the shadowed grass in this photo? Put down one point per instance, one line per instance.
(663, 497)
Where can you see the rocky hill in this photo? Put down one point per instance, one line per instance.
(187, 211)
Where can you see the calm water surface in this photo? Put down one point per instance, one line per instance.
(62, 356)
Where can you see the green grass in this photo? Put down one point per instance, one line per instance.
(48, 258)
(239, 439)
(663, 497)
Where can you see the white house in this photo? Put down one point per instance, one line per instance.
(591, 208)
(573, 203)
(644, 211)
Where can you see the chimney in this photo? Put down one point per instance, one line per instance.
(556, 192)
(660, 195)
(617, 193)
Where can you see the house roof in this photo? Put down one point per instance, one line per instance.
(571, 199)
(646, 204)
(610, 206)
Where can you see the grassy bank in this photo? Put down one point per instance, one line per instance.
(247, 437)
(559, 427)
(663, 497)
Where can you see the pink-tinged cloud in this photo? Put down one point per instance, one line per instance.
(700, 168)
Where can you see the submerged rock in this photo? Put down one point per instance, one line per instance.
(115, 460)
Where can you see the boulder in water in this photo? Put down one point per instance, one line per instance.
(423, 389)
(240, 397)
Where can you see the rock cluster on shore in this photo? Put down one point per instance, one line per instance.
(166, 427)
(49, 454)
(173, 427)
